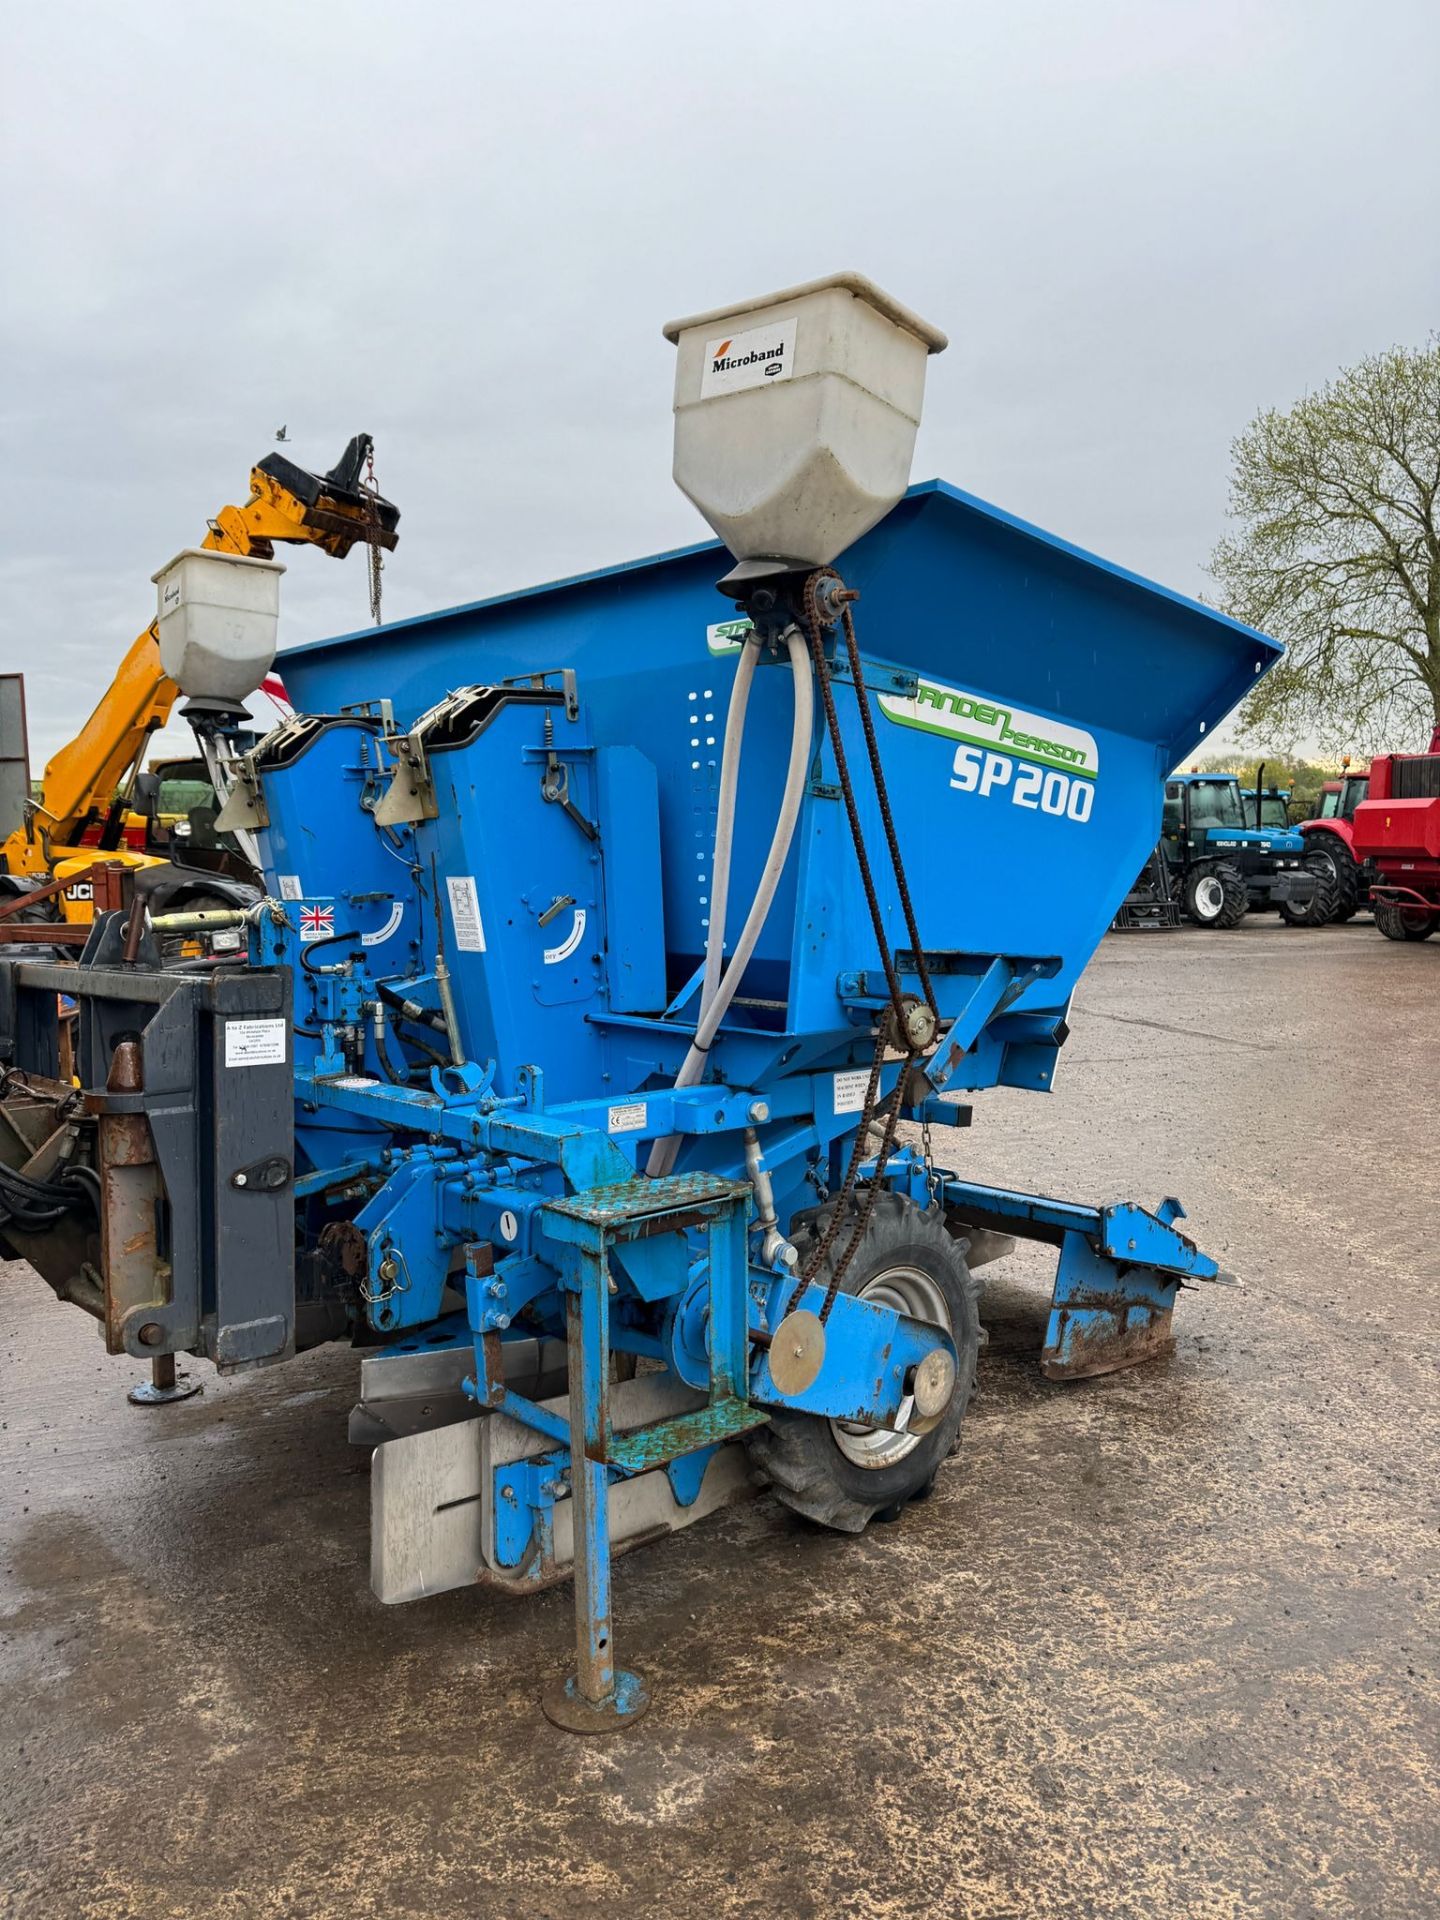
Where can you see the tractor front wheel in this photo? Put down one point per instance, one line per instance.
(1324, 902)
(838, 1472)
(1397, 922)
(1216, 896)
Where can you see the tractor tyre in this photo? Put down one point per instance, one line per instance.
(1397, 922)
(1329, 850)
(1323, 903)
(1216, 895)
(837, 1472)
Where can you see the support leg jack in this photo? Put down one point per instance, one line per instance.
(163, 1386)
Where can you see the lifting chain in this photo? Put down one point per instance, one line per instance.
(371, 486)
(897, 1030)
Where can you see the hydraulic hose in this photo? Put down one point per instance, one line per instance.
(662, 1154)
(410, 1009)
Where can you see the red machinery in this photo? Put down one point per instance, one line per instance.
(1331, 834)
(1397, 829)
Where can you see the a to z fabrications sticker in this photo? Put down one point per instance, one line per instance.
(465, 913)
(255, 1043)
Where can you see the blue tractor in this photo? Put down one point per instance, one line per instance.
(1268, 807)
(1222, 864)
(623, 953)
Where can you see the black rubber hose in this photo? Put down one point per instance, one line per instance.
(33, 1205)
(382, 1054)
(413, 1012)
(311, 947)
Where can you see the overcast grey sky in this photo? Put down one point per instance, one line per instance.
(461, 226)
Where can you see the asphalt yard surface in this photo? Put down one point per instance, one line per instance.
(1162, 1644)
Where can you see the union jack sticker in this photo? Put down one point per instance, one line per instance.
(316, 923)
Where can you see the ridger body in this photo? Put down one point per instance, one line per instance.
(611, 935)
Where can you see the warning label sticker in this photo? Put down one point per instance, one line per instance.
(255, 1043)
(850, 1090)
(465, 913)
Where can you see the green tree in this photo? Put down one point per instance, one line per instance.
(1303, 779)
(1337, 553)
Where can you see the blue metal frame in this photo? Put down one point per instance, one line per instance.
(498, 987)
(1119, 1271)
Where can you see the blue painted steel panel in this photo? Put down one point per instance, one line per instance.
(995, 616)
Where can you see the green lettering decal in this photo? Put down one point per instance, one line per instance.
(955, 715)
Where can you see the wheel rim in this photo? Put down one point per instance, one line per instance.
(919, 1297)
(1209, 896)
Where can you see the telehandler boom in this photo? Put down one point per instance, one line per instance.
(90, 783)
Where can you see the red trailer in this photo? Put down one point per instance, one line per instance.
(1397, 829)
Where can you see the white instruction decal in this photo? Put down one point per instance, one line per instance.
(397, 914)
(509, 1226)
(255, 1043)
(465, 913)
(629, 1119)
(851, 1089)
(756, 358)
(570, 942)
(289, 885)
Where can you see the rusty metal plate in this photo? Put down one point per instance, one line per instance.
(934, 1389)
(797, 1352)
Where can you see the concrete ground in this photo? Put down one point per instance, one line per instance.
(1160, 1645)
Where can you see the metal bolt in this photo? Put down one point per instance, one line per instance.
(759, 1112)
(151, 1334)
(241, 1179)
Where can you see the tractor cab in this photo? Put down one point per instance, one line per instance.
(1268, 807)
(1208, 813)
(1223, 863)
(1340, 798)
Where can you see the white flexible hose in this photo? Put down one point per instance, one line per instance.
(725, 819)
(662, 1154)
